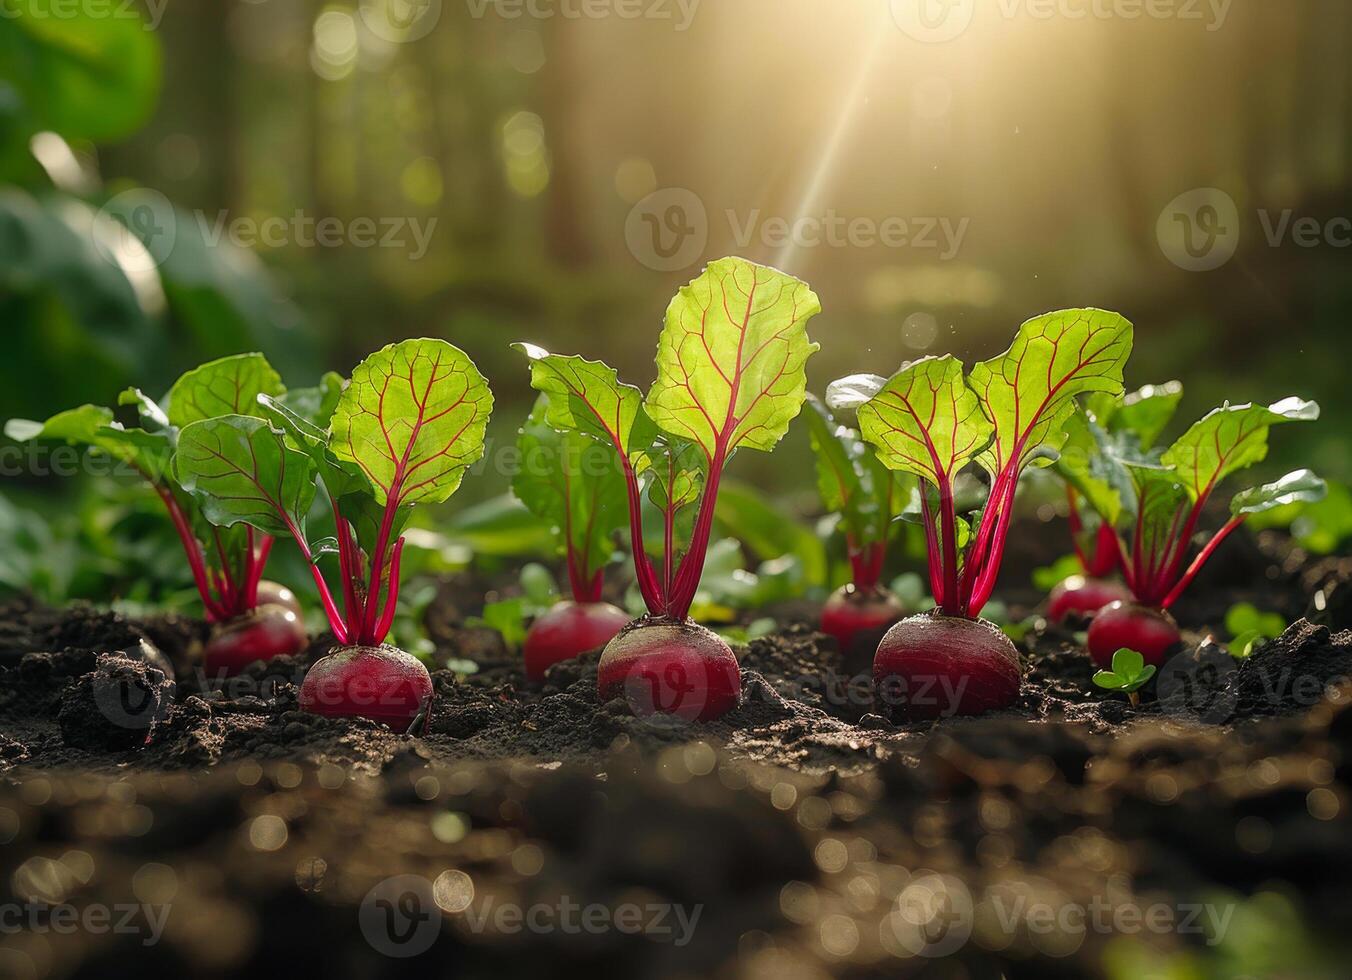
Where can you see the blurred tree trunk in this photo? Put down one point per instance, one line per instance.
(565, 235)
(215, 71)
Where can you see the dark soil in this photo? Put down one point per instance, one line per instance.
(811, 836)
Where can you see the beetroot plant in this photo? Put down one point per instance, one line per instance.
(403, 432)
(1156, 502)
(1132, 424)
(730, 375)
(868, 497)
(571, 480)
(252, 619)
(1008, 414)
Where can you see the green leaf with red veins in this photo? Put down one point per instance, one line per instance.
(1028, 392)
(242, 471)
(1145, 412)
(1088, 465)
(587, 397)
(676, 472)
(413, 418)
(926, 421)
(228, 386)
(1229, 439)
(1298, 487)
(573, 482)
(731, 358)
(146, 407)
(316, 405)
(1162, 504)
(93, 425)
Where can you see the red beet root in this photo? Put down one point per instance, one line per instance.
(382, 683)
(276, 594)
(267, 632)
(567, 629)
(1083, 597)
(670, 668)
(853, 614)
(935, 666)
(1150, 632)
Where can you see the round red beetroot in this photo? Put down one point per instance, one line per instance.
(934, 666)
(267, 632)
(382, 683)
(276, 594)
(567, 629)
(854, 614)
(1150, 632)
(1083, 597)
(679, 669)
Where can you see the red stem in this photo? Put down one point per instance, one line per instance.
(326, 597)
(260, 562)
(349, 567)
(692, 564)
(952, 604)
(932, 556)
(228, 589)
(193, 549)
(391, 601)
(990, 564)
(1201, 560)
(654, 596)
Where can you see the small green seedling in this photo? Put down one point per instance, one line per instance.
(1129, 674)
(1250, 627)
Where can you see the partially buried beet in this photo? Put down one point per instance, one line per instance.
(251, 619)
(401, 433)
(932, 421)
(730, 375)
(572, 481)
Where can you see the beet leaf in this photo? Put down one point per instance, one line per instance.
(730, 374)
(855, 485)
(571, 480)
